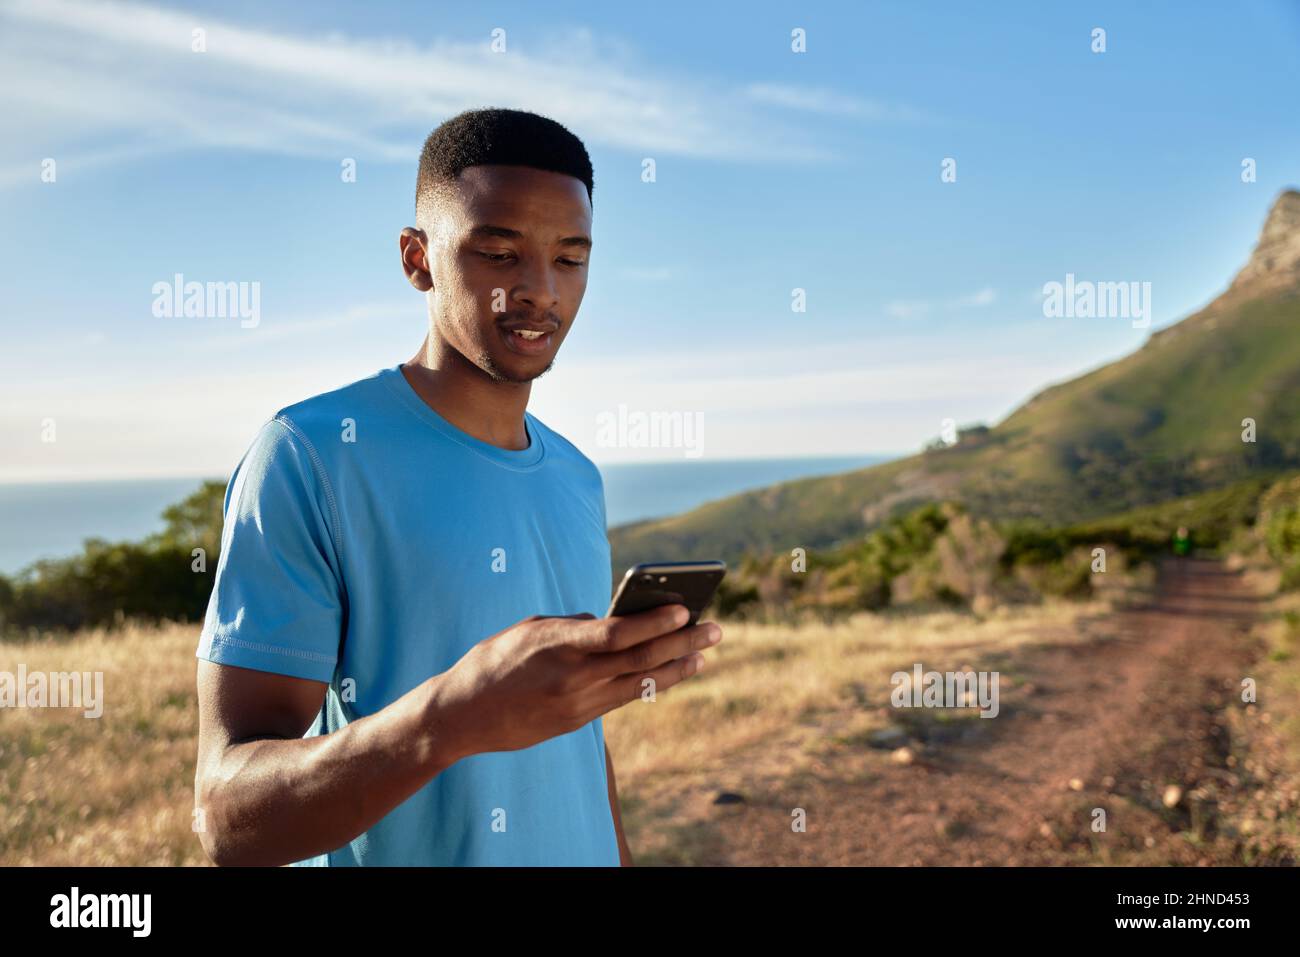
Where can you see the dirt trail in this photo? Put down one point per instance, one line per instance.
(1126, 713)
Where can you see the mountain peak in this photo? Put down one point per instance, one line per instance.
(1275, 263)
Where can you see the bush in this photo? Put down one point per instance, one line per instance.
(149, 580)
(1283, 533)
(732, 601)
(1280, 519)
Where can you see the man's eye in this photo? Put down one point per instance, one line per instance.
(573, 262)
(495, 257)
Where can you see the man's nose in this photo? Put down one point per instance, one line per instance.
(536, 287)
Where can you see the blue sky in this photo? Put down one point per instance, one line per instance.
(774, 170)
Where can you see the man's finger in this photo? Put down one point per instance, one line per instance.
(621, 632)
(655, 652)
(628, 688)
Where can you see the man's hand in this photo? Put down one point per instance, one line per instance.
(545, 677)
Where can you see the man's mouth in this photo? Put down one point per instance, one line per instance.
(528, 341)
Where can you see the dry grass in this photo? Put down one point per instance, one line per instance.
(112, 790)
(1267, 736)
(119, 789)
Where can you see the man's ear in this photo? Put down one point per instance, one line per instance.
(415, 258)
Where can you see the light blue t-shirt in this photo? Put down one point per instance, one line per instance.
(370, 543)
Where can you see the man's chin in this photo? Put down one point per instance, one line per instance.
(516, 372)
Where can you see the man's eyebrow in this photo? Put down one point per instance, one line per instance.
(502, 232)
(505, 232)
(499, 231)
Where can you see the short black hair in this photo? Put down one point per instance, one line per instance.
(498, 137)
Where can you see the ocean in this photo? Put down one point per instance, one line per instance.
(52, 520)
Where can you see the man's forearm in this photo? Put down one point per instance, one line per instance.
(273, 801)
(624, 852)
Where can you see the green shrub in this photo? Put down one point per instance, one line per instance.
(150, 580)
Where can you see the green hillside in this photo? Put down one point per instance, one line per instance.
(1163, 422)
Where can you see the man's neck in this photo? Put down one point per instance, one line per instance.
(461, 393)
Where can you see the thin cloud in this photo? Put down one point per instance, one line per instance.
(274, 329)
(916, 308)
(84, 82)
(822, 100)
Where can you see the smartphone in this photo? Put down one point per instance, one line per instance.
(653, 584)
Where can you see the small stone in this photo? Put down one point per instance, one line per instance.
(951, 827)
(887, 739)
(903, 756)
(1076, 784)
(1173, 794)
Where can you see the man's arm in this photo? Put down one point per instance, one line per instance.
(269, 796)
(624, 852)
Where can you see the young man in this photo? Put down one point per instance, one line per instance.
(401, 662)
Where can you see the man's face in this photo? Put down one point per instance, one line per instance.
(507, 257)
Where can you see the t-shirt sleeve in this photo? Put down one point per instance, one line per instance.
(277, 602)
